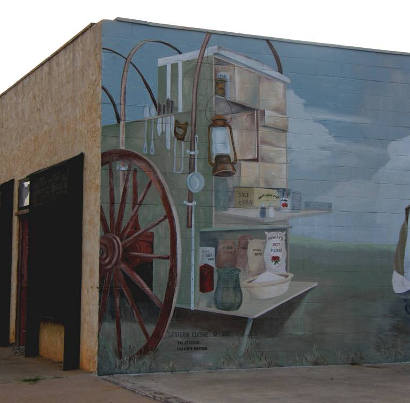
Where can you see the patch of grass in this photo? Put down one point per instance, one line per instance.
(252, 358)
(313, 357)
(390, 348)
(33, 380)
(357, 358)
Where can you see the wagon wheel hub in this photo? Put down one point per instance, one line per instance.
(110, 251)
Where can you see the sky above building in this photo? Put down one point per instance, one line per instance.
(31, 31)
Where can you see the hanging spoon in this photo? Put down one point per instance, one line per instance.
(168, 125)
(159, 121)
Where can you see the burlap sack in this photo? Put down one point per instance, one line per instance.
(242, 254)
(226, 253)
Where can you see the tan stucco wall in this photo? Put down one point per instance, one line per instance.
(51, 115)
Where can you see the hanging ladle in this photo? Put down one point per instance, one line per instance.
(195, 180)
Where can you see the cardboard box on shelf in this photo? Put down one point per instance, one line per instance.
(272, 154)
(253, 197)
(246, 87)
(245, 134)
(272, 94)
(262, 174)
(273, 119)
(248, 172)
(268, 136)
(272, 175)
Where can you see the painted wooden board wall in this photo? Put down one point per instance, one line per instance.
(51, 115)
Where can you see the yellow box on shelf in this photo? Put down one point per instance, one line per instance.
(253, 197)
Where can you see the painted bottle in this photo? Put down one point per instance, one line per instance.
(271, 211)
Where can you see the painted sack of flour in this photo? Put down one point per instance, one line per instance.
(275, 252)
(256, 264)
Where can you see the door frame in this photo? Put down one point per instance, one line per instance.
(56, 190)
(6, 251)
(22, 280)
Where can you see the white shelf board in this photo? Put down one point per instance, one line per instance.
(253, 308)
(236, 216)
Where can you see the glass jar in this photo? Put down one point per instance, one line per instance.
(228, 293)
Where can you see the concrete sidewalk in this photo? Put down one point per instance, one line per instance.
(342, 383)
(38, 380)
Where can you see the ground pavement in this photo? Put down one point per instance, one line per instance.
(38, 380)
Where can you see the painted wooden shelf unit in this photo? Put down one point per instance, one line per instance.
(252, 307)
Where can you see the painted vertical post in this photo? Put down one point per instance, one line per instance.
(180, 105)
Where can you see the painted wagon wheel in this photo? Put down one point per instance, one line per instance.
(125, 245)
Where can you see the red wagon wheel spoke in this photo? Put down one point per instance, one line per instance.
(121, 209)
(134, 308)
(134, 213)
(134, 188)
(138, 281)
(149, 255)
(129, 240)
(125, 245)
(104, 223)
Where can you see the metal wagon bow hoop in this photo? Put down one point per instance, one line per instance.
(123, 98)
(139, 72)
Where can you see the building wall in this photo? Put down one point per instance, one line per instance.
(337, 137)
(50, 115)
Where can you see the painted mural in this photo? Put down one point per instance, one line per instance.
(252, 196)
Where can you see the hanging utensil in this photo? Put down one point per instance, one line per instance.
(152, 146)
(180, 130)
(195, 180)
(163, 120)
(168, 124)
(146, 116)
(159, 120)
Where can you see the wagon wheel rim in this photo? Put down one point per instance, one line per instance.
(120, 236)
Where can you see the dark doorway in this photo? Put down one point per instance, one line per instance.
(22, 281)
(6, 233)
(55, 255)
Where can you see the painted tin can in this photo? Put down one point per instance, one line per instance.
(206, 278)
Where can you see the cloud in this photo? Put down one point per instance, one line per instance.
(368, 186)
(322, 114)
(315, 153)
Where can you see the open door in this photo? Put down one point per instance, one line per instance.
(55, 255)
(6, 233)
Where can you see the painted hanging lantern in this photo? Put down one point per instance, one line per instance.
(220, 147)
